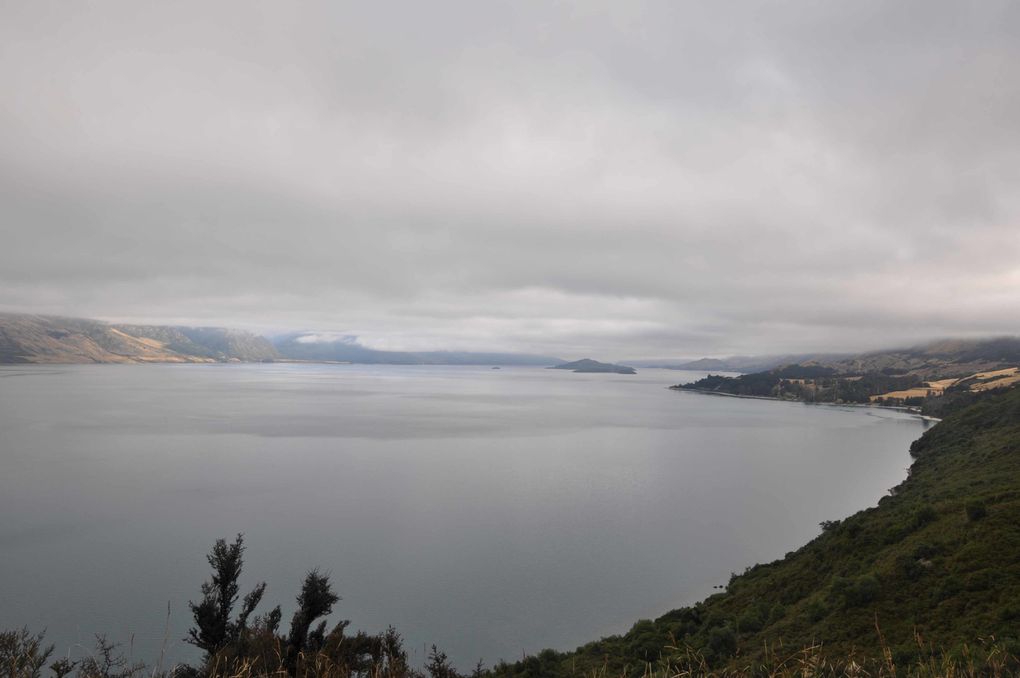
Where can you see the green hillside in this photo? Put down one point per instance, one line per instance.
(938, 560)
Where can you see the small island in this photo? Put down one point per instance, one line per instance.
(587, 365)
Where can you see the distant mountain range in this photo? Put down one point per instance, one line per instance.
(26, 338)
(946, 358)
(939, 359)
(737, 363)
(51, 339)
(307, 346)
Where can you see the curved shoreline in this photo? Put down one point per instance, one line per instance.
(906, 410)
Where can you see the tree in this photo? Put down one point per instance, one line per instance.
(315, 600)
(23, 654)
(106, 661)
(213, 628)
(439, 665)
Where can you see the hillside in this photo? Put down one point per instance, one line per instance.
(936, 558)
(922, 376)
(50, 339)
(938, 360)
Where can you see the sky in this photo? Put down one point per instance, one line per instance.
(613, 179)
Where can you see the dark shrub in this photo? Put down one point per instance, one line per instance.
(750, 622)
(976, 510)
(855, 592)
(924, 516)
(722, 641)
(816, 611)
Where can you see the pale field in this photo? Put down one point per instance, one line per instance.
(996, 383)
(942, 384)
(989, 380)
(918, 392)
(996, 373)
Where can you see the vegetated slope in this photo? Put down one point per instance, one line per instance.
(587, 365)
(938, 557)
(49, 339)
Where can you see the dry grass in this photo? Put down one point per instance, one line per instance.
(1002, 382)
(986, 660)
(917, 392)
(942, 384)
(22, 655)
(986, 381)
(996, 373)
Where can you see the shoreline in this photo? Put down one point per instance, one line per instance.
(906, 410)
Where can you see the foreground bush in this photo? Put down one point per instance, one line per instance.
(23, 655)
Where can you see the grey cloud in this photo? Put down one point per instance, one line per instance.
(620, 179)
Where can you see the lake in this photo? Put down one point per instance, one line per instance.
(492, 512)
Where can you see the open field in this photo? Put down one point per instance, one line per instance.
(977, 382)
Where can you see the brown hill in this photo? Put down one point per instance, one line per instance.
(50, 339)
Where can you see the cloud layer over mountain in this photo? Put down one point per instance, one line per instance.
(615, 179)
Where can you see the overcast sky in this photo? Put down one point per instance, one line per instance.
(621, 179)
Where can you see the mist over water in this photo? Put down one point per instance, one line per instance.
(492, 512)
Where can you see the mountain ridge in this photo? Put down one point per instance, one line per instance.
(28, 338)
(738, 363)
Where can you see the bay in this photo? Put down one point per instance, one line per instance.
(491, 512)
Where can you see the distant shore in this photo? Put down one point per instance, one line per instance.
(899, 408)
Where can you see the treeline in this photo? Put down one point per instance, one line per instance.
(808, 383)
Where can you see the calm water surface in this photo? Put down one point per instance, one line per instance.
(492, 512)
